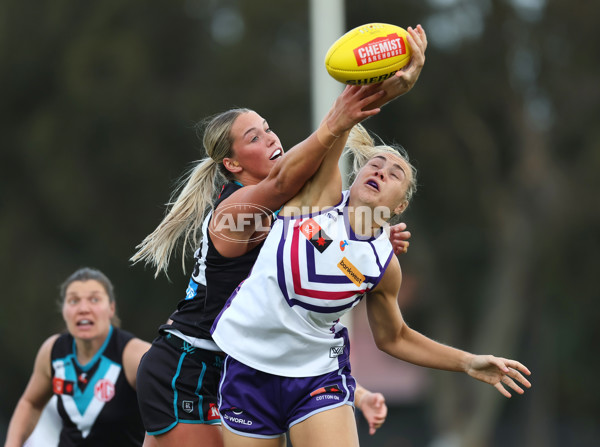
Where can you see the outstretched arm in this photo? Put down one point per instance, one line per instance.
(394, 337)
(35, 397)
(291, 171)
(325, 186)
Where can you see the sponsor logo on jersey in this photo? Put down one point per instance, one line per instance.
(327, 389)
(104, 390)
(61, 386)
(351, 272)
(343, 245)
(187, 406)
(213, 412)
(336, 351)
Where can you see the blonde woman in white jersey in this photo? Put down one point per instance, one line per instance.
(288, 355)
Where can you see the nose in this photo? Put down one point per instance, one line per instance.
(271, 138)
(83, 307)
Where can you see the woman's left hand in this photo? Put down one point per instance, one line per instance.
(500, 372)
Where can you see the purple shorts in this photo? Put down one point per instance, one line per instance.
(261, 405)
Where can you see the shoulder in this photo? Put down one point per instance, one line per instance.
(132, 355)
(392, 278)
(43, 358)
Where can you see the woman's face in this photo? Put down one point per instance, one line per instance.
(383, 181)
(87, 309)
(256, 147)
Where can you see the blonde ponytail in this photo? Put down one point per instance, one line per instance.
(192, 198)
(188, 205)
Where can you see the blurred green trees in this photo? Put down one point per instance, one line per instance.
(98, 102)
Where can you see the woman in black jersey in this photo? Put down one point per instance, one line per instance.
(178, 377)
(90, 368)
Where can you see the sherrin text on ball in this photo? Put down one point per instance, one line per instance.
(368, 54)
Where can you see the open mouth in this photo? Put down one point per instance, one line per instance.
(278, 153)
(373, 184)
(83, 323)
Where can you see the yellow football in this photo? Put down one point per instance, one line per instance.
(368, 54)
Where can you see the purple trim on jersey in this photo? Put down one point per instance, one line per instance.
(313, 276)
(376, 258)
(283, 287)
(280, 269)
(304, 216)
(384, 269)
(227, 304)
(352, 235)
(344, 359)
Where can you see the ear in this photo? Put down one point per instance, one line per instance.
(400, 208)
(232, 165)
(112, 309)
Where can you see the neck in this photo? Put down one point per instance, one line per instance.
(87, 349)
(364, 222)
(246, 180)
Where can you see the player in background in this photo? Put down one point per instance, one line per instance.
(91, 369)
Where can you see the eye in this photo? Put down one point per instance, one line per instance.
(254, 139)
(268, 130)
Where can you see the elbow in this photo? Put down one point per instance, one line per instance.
(388, 344)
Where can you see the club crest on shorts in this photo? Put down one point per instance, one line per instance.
(187, 406)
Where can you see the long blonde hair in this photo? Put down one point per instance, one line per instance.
(193, 196)
(361, 146)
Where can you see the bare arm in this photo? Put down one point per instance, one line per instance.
(290, 172)
(324, 188)
(394, 337)
(36, 395)
(132, 354)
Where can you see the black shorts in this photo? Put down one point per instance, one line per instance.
(177, 383)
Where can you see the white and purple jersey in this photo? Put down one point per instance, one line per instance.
(284, 318)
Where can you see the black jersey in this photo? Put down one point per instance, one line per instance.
(97, 405)
(213, 280)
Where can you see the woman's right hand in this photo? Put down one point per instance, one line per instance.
(352, 106)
